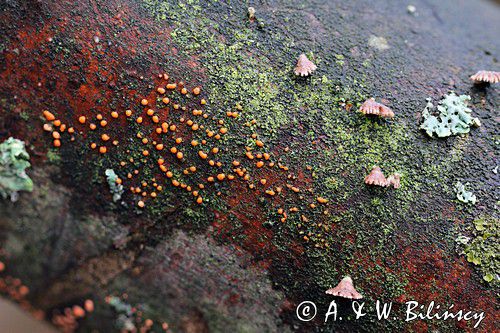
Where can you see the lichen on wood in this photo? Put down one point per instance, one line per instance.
(14, 160)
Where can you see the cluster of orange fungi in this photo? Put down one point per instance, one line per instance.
(171, 135)
(17, 291)
(67, 320)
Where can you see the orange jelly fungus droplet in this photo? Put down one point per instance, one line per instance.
(128, 113)
(144, 102)
(89, 305)
(57, 143)
(78, 311)
(202, 155)
(48, 115)
(114, 114)
(103, 150)
(322, 200)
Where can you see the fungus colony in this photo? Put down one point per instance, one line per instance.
(66, 320)
(17, 291)
(171, 135)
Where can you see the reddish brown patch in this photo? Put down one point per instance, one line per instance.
(432, 275)
(60, 66)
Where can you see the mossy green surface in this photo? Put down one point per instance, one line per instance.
(309, 124)
(483, 247)
(316, 118)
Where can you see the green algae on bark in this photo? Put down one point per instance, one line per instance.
(245, 65)
(483, 246)
(364, 223)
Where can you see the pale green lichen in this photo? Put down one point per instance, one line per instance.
(379, 43)
(13, 163)
(115, 188)
(125, 320)
(464, 195)
(484, 248)
(453, 117)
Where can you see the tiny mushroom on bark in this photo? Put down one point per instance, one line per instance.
(376, 177)
(394, 180)
(345, 289)
(375, 108)
(304, 66)
(486, 77)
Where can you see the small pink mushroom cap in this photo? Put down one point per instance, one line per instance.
(394, 180)
(375, 108)
(304, 66)
(345, 289)
(486, 76)
(376, 177)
